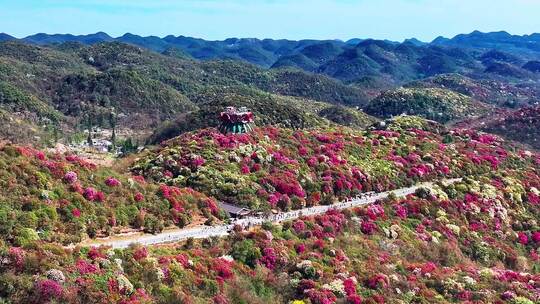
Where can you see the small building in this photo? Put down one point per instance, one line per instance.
(235, 211)
(235, 120)
(101, 145)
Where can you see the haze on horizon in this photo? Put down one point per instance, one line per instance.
(300, 19)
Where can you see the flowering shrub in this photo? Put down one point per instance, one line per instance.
(83, 267)
(314, 167)
(321, 296)
(139, 197)
(475, 240)
(70, 177)
(368, 227)
(523, 238)
(76, 212)
(112, 182)
(536, 236)
(269, 258)
(377, 281)
(354, 299)
(48, 290)
(59, 188)
(223, 269)
(140, 253)
(451, 236)
(16, 254)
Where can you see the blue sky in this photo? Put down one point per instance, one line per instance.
(291, 19)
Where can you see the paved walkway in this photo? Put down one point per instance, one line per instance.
(222, 230)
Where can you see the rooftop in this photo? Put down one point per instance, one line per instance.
(233, 209)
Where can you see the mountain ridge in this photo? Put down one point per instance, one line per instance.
(270, 50)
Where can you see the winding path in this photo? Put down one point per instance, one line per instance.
(222, 230)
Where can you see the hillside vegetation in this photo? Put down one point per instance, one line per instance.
(67, 83)
(475, 240)
(522, 126)
(64, 199)
(64, 86)
(281, 168)
(499, 53)
(487, 91)
(432, 103)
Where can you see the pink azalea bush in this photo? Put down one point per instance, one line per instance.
(70, 177)
(48, 290)
(112, 182)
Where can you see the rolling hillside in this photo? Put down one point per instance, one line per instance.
(494, 92)
(432, 103)
(522, 126)
(57, 84)
(62, 86)
(474, 240)
(349, 61)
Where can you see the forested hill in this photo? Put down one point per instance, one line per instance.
(58, 84)
(62, 86)
(440, 55)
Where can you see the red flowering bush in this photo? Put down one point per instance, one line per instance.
(354, 299)
(70, 177)
(138, 197)
(16, 255)
(374, 212)
(349, 286)
(269, 258)
(76, 212)
(523, 238)
(368, 227)
(536, 236)
(112, 182)
(140, 253)
(83, 267)
(377, 281)
(321, 296)
(401, 211)
(300, 248)
(220, 299)
(48, 290)
(299, 226)
(94, 253)
(90, 193)
(223, 269)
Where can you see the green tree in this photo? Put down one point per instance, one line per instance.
(152, 224)
(246, 252)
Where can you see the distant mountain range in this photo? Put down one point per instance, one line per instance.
(356, 61)
(266, 52)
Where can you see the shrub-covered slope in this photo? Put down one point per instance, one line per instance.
(269, 109)
(432, 103)
(282, 168)
(522, 126)
(476, 240)
(74, 80)
(473, 241)
(347, 117)
(488, 91)
(55, 198)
